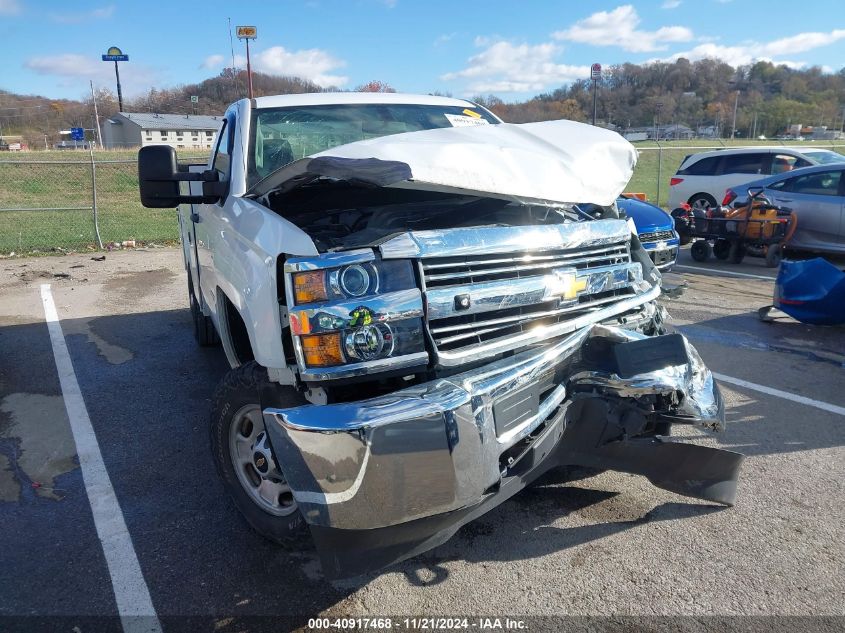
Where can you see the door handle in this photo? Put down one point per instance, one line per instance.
(779, 200)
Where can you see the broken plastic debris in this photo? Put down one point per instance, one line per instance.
(128, 243)
(99, 258)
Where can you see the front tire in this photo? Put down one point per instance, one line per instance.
(244, 459)
(700, 250)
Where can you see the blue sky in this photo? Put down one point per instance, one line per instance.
(513, 49)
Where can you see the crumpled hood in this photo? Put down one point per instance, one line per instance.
(544, 163)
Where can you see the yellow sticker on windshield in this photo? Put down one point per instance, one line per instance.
(472, 113)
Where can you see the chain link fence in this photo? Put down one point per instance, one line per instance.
(83, 202)
(91, 201)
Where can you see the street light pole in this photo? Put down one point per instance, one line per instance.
(119, 92)
(733, 125)
(657, 107)
(114, 54)
(247, 33)
(248, 70)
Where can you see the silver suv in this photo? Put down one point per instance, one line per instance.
(701, 179)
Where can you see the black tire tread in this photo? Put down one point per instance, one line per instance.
(701, 251)
(737, 252)
(239, 387)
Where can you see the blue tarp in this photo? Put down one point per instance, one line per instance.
(811, 291)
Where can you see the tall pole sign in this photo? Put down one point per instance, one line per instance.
(114, 54)
(247, 33)
(595, 75)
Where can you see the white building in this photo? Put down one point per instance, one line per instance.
(136, 129)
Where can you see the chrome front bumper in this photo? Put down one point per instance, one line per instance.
(438, 447)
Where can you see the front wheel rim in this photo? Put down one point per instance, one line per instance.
(700, 204)
(250, 453)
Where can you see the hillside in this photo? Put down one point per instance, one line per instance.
(695, 94)
(35, 117)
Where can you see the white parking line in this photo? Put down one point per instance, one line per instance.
(818, 404)
(724, 272)
(131, 593)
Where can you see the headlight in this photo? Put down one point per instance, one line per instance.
(323, 350)
(355, 313)
(355, 280)
(370, 342)
(309, 287)
(351, 282)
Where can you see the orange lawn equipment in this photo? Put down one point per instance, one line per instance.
(757, 228)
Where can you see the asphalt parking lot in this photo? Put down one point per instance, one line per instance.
(611, 544)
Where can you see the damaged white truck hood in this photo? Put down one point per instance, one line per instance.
(546, 163)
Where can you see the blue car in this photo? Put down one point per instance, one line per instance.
(656, 230)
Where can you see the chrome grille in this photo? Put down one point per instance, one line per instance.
(656, 236)
(451, 271)
(454, 331)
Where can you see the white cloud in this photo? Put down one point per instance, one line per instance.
(314, 64)
(212, 61)
(445, 38)
(619, 28)
(67, 65)
(671, 4)
(74, 69)
(750, 52)
(9, 7)
(508, 67)
(802, 42)
(389, 3)
(101, 13)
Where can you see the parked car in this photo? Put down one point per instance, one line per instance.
(817, 197)
(702, 178)
(420, 320)
(656, 230)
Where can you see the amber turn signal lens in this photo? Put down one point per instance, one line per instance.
(309, 287)
(322, 350)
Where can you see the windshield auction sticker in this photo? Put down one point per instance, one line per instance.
(460, 120)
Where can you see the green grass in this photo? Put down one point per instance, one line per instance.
(40, 181)
(49, 179)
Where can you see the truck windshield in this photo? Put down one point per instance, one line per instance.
(283, 135)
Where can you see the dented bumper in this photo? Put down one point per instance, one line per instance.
(384, 479)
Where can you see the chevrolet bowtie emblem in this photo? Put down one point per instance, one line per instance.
(569, 285)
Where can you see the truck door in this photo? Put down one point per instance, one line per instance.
(187, 214)
(207, 216)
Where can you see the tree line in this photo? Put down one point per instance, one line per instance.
(768, 99)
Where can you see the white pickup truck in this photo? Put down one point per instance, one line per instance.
(424, 309)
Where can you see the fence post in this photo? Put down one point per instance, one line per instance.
(94, 197)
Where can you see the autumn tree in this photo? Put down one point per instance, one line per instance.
(375, 86)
